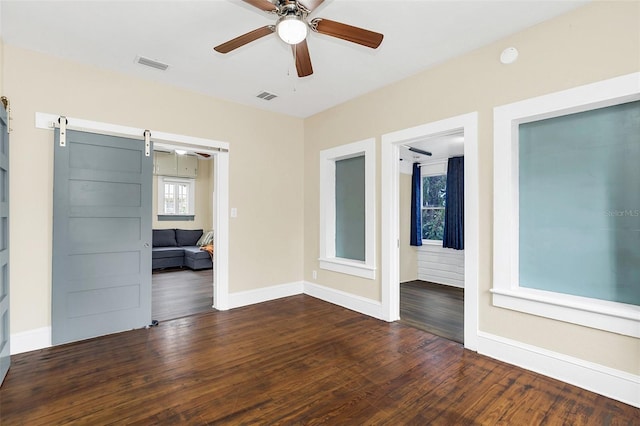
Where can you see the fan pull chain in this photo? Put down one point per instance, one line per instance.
(295, 62)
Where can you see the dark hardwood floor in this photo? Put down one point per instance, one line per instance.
(291, 361)
(436, 308)
(178, 293)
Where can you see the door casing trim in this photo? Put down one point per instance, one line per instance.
(391, 142)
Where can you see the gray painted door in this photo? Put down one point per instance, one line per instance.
(101, 236)
(5, 352)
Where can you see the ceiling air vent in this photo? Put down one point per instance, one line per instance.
(266, 96)
(151, 63)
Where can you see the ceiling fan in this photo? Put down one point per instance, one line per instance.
(293, 27)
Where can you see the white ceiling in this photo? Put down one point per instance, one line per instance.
(182, 33)
(441, 148)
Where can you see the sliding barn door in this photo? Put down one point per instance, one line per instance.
(5, 352)
(101, 236)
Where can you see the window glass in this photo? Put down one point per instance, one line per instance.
(350, 208)
(169, 199)
(434, 192)
(579, 204)
(183, 199)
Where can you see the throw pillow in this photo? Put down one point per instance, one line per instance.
(206, 239)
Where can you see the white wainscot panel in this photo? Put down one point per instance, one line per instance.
(441, 265)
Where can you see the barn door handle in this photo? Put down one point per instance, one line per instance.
(146, 245)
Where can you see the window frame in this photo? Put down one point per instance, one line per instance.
(436, 168)
(506, 292)
(328, 259)
(191, 183)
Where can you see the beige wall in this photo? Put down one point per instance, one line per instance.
(1, 66)
(408, 253)
(595, 42)
(266, 237)
(203, 218)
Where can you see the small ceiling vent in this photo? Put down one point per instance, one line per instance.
(266, 95)
(151, 63)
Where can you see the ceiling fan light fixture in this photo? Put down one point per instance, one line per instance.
(292, 29)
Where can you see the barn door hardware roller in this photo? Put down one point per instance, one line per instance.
(147, 143)
(62, 121)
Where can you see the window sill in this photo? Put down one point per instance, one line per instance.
(176, 218)
(432, 243)
(615, 317)
(345, 266)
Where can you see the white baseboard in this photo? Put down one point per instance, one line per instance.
(251, 297)
(30, 340)
(373, 308)
(612, 383)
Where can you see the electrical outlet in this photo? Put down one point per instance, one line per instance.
(314, 274)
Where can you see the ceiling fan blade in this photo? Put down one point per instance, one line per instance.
(347, 32)
(310, 5)
(244, 39)
(303, 59)
(265, 5)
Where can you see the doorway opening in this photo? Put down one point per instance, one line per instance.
(431, 275)
(196, 193)
(183, 211)
(466, 125)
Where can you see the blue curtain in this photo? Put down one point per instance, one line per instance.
(454, 207)
(416, 210)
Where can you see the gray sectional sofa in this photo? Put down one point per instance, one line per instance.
(174, 248)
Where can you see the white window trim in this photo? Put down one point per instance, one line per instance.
(436, 168)
(600, 314)
(430, 242)
(328, 259)
(192, 198)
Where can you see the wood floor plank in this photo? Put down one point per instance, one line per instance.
(296, 360)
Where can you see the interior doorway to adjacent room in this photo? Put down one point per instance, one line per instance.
(184, 219)
(431, 275)
(393, 242)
